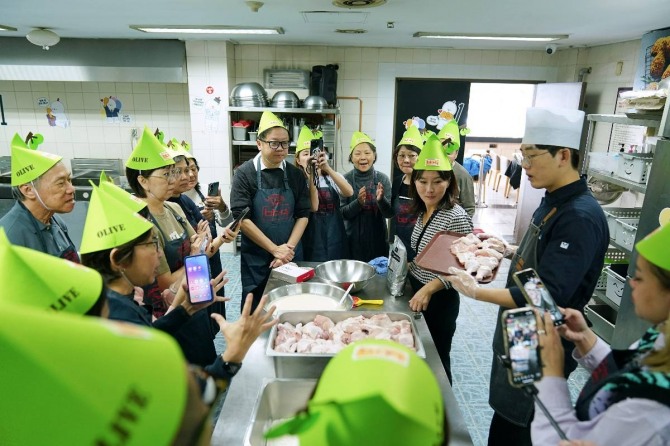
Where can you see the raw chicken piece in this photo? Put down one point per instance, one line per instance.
(469, 239)
(462, 247)
(491, 262)
(483, 273)
(465, 256)
(352, 324)
(304, 345)
(286, 347)
(472, 265)
(488, 252)
(381, 320)
(405, 326)
(406, 339)
(358, 335)
(493, 243)
(324, 322)
(313, 331)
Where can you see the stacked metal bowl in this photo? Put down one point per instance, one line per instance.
(315, 102)
(248, 94)
(285, 99)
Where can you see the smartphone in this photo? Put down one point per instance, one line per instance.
(522, 346)
(537, 294)
(213, 189)
(197, 279)
(238, 220)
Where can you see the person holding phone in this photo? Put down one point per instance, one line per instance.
(434, 191)
(402, 224)
(278, 196)
(565, 243)
(325, 236)
(366, 211)
(627, 399)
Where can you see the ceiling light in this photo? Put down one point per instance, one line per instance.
(351, 31)
(43, 37)
(194, 29)
(520, 38)
(7, 28)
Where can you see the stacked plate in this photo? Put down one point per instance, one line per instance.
(285, 99)
(248, 94)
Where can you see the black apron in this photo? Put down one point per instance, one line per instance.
(273, 214)
(404, 221)
(510, 402)
(367, 232)
(325, 234)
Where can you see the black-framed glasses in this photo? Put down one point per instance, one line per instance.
(409, 156)
(527, 160)
(277, 145)
(154, 241)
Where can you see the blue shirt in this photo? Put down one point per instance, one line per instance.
(571, 245)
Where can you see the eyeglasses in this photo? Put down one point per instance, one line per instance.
(411, 156)
(277, 145)
(526, 160)
(169, 176)
(154, 241)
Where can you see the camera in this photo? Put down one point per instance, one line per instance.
(551, 49)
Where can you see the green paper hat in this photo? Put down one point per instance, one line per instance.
(372, 392)
(359, 138)
(318, 134)
(178, 148)
(149, 153)
(268, 121)
(104, 178)
(110, 223)
(432, 156)
(34, 140)
(28, 164)
(411, 137)
(94, 381)
(186, 148)
(451, 131)
(655, 246)
(304, 139)
(132, 202)
(44, 281)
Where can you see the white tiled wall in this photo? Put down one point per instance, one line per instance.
(89, 134)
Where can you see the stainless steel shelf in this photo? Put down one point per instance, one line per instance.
(602, 297)
(244, 143)
(623, 119)
(608, 177)
(618, 246)
(305, 111)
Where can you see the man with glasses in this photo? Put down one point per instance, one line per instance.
(43, 188)
(277, 195)
(565, 243)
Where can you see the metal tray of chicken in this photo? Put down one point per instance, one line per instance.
(310, 365)
(438, 258)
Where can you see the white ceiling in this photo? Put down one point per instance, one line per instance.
(588, 23)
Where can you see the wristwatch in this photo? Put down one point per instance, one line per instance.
(231, 368)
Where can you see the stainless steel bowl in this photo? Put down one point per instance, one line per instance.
(315, 102)
(285, 96)
(248, 90)
(344, 272)
(319, 289)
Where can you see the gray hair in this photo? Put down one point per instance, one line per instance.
(16, 190)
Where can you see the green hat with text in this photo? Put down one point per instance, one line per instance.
(451, 132)
(269, 120)
(432, 156)
(411, 137)
(29, 164)
(134, 203)
(149, 153)
(44, 281)
(304, 139)
(655, 246)
(359, 138)
(372, 392)
(93, 381)
(110, 223)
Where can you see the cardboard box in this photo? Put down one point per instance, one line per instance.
(293, 273)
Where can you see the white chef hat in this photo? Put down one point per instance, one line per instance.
(560, 127)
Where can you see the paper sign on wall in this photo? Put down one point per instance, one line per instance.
(198, 102)
(42, 102)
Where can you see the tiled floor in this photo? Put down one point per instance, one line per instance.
(471, 353)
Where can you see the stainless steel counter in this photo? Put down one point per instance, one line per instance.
(235, 416)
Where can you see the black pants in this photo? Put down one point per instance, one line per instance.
(441, 316)
(505, 433)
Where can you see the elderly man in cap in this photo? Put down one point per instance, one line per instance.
(565, 243)
(43, 187)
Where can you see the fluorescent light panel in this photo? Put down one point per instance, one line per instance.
(520, 38)
(7, 28)
(194, 29)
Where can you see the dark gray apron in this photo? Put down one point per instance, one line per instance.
(404, 222)
(367, 232)
(512, 403)
(273, 214)
(324, 236)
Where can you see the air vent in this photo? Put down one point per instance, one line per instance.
(358, 3)
(351, 31)
(281, 79)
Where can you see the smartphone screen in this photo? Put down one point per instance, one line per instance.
(213, 189)
(197, 279)
(238, 220)
(537, 294)
(521, 346)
